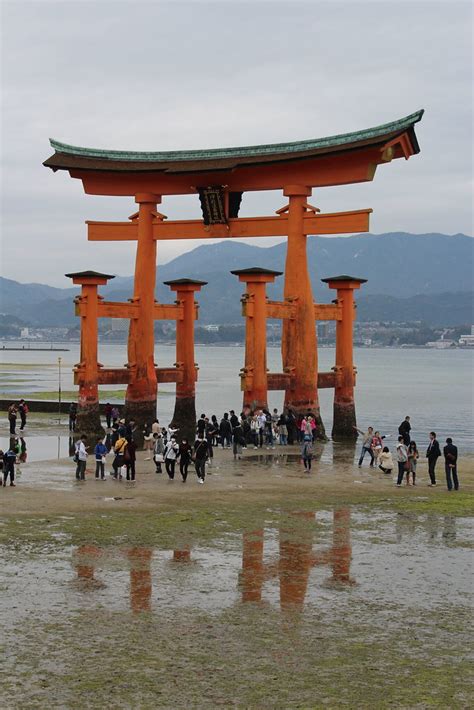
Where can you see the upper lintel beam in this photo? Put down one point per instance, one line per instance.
(331, 223)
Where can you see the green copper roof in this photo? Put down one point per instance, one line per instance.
(244, 151)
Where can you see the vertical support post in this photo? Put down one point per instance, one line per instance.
(299, 337)
(140, 400)
(254, 373)
(87, 371)
(184, 417)
(344, 419)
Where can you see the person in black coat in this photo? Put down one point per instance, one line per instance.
(225, 431)
(451, 464)
(404, 430)
(433, 453)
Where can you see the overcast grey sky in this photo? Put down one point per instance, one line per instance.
(171, 75)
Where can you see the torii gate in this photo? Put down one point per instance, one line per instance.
(220, 177)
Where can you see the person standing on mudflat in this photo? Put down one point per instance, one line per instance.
(12, 413)
(185, 457)
(171, 455)
(433, 453)
(451, 464)
(307, 451)
(9, 460)
(200, 458)
(23, 411)
(366, 444)
(402, 460)
(404, 430)
(81, 458)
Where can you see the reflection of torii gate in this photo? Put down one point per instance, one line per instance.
(295, 561)
(220, 177)
(293, 566)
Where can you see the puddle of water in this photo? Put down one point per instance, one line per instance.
(305, 562)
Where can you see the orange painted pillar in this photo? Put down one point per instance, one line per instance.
(184, 417)
(140, 400)
(344, 419)
(251, 579)
(87, 371)
(140, 578)
(254, 374)
(299, 336)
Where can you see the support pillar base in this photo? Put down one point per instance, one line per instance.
(306, 408)
(88, 422)
(141, 413)
(344, 421)
(184, 418)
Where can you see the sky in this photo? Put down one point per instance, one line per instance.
(175, 75)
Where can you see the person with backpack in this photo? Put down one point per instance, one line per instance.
(119, 451)
(23, 411)
(307, 451)
(200, 458)
(171, 455)
(9, 460)
(80, 457)
(100, 452)
(158, 451)
(402, 460)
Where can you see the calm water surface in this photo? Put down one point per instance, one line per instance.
(434, 386)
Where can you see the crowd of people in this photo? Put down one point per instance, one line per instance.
(251, 429)
(407, 455)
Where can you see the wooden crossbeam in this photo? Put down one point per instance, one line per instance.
(327, 311)
(313, 224)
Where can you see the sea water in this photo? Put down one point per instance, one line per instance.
(434, 387)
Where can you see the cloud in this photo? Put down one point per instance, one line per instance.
(160, 75)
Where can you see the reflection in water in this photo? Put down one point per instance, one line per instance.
(251, 579)
(183, 555)
(296, 559)
(291, 566)
(140, 578)
(85, 560)
(344, 453)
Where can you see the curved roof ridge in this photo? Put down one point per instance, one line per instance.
(241, 151)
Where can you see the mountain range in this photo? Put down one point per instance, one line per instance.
(409, 277)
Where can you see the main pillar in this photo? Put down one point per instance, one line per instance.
(140, 400)
(344, 419)
(86, 373)
(299, 339)
(254, 374)
(184, 417)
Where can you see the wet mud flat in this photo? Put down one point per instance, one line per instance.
(267, 587)
(259, 599)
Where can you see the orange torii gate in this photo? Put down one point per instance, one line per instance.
(89, 373)
(220, 177)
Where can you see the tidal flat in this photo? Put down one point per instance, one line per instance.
(264, 588)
